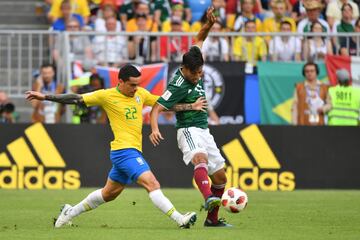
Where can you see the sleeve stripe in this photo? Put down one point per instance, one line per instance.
(162, 106)
(179, 81)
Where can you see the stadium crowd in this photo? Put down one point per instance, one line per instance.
(174, 16)
(96, 17)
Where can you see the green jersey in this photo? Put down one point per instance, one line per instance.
(180, 90)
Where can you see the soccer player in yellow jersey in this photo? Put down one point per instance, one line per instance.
(123, 106)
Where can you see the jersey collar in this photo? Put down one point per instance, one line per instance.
(181, 73)
(118, 90)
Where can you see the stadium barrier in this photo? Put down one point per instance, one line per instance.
(21, 55)
(269, 158)
(23, 52)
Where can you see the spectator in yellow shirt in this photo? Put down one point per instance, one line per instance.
(80, 7)
(250, 48)
(273, 24)
(177, 11)
(141, 9)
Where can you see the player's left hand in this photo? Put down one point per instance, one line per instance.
(155, 138)
(200, 104)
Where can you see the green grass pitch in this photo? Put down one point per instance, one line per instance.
(270, 215)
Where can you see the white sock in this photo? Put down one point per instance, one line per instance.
(164, 204)
(92, 201)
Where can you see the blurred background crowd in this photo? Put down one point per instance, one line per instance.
(156, 31)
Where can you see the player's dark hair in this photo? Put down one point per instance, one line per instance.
(193, 59)
(127, 71)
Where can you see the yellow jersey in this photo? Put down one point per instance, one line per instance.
(250, 51)
(80, 7)
(270, 25)
(124, 113)
(166, 26)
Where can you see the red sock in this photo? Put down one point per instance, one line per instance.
(217, 191)
(201, 179)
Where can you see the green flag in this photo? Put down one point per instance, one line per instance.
(277, 83)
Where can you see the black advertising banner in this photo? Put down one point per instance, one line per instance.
(287, 157)
(66, 156)
(270, 158)
(224, 89)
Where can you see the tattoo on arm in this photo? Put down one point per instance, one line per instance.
(182, 107)
(65, 98)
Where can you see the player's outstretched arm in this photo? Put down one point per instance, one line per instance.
(59, 98)
(204, 31)
(155, 136)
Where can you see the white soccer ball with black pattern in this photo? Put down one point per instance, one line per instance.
(234, 200)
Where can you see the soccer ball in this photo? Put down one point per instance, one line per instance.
(234, 200)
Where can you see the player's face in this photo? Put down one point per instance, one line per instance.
(193, 76)
(129, 88)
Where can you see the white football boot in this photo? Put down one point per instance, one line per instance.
(64, 217)
(187, 220)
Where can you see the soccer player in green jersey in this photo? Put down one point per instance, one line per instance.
(123, 106)
(193, 136)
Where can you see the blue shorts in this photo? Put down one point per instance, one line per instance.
(128, 165)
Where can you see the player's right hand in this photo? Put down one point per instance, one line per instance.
(210, 15)
(155, 138)
(200, 105)
(32, 95)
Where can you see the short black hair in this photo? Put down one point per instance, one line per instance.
(127, 71)
(95, 77)
(249, 21)
(46, 65)
(310, 63)
(193, 59)
(7, 108)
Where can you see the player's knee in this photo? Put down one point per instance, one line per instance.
(109, 195)
(153, 185)
(199, 158)
(219, 177)
(223, 179)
